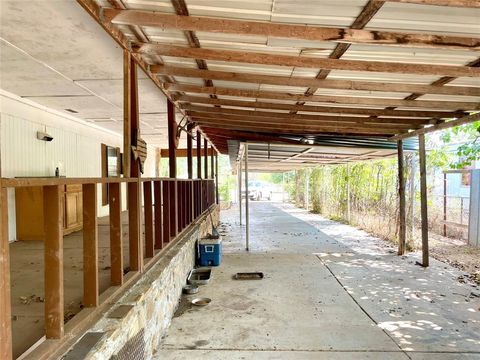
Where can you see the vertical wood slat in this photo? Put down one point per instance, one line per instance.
(166, 210)
(90, 245)
(180, 205)
(423, 199)
(148, 215)
(402, 233)
(199, 155)
(116, 242)
(173, 208)
(157, 191)
(53, 217)
(134, 230)
(205, 152)
(5, 291)
(212, 163)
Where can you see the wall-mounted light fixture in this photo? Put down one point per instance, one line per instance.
(44, 136)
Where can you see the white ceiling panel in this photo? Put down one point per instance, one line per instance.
(23, 76)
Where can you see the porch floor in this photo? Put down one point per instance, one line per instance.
(330, 292)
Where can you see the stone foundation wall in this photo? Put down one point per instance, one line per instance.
(151, 302)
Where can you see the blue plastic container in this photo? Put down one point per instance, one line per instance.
(210, 252)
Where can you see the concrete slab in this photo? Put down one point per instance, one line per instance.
(278, 355)
(330, 292)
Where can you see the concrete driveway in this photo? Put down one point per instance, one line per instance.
(330, 291)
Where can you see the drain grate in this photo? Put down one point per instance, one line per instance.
(134, 349)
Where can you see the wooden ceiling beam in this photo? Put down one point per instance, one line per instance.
(311, 108)
(183, 152)
(295, 130)
(215, 111)
(441, 126)
(304, 61)
(445, 105)
(270, 29)
(233, 119)
(453, 3)
(317, 83)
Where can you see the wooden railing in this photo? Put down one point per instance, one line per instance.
(169, 207)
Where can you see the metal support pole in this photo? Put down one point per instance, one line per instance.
(240, 190)
(349, 219)
(423, 200)
(247, 224)
(401, 194)
(444, 204)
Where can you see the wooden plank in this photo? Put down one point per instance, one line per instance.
(54, 300)
(441, 126)
(305, 32)
(453, 3)
(134, 227)
(402, 233)
(90, 246)
(423, 200)
(116, 241)
(313, 109)
(148, 218)
(157, 190)
(344, 100)
(315, 82)
(166, 211)
(304, 61)
(5, 290)
(297, 119)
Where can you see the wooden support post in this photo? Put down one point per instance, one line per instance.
(5, 302)
(131, 129)
(423, 200)
(190, 150)
(205, 152)
(148, 214)
(53, 217)
(116, 242)
(127, 135)
(402, 233)
(216, 180)
(90, 245)
(166, 210)
(172, 134)
(157, 191)
(199, 155)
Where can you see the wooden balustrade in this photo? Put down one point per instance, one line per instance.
(169, 207)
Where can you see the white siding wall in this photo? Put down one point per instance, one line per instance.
(76, 145)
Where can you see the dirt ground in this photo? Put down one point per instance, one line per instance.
(456, 253)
